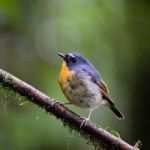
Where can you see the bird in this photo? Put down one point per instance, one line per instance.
(83, 85)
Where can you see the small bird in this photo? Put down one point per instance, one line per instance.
(83, 86)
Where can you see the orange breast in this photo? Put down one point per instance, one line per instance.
(65, 74)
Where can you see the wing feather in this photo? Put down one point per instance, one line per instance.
(111, 105)
(103, 86)
(104, 90)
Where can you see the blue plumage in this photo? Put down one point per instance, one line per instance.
(83, 65)
(82, 84)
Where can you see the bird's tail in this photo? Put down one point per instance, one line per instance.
(114, 109)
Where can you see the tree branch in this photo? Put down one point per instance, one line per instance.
(96, 136)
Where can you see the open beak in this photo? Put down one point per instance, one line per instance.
(62, 55)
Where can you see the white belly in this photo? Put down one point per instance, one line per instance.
(84, 92)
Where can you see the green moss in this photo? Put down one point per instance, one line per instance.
(98, 144)
(7, 78)
(138, 145)
(115, 133)
(3, 95)
(6, 93)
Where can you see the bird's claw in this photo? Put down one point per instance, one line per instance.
(84, 122)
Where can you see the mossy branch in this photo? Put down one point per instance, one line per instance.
(94, 135)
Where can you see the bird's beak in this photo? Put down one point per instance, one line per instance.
(62, 55)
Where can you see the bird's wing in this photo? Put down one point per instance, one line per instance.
(96, 77)
(104, 90)
(110, 104)
(103, 86)
(105, 95)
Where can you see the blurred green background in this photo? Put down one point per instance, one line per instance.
(114, 35)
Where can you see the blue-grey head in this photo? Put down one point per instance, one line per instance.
(79, 63)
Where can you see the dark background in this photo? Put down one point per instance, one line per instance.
(114, 35)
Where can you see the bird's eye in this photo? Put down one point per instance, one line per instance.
(74, 60)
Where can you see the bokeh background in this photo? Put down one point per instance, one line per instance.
(114, 35)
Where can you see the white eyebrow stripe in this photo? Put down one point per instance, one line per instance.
(71, 55)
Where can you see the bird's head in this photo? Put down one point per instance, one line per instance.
(74, 60)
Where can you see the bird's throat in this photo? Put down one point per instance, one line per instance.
(65, 74)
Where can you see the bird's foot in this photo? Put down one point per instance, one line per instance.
(85, 121)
